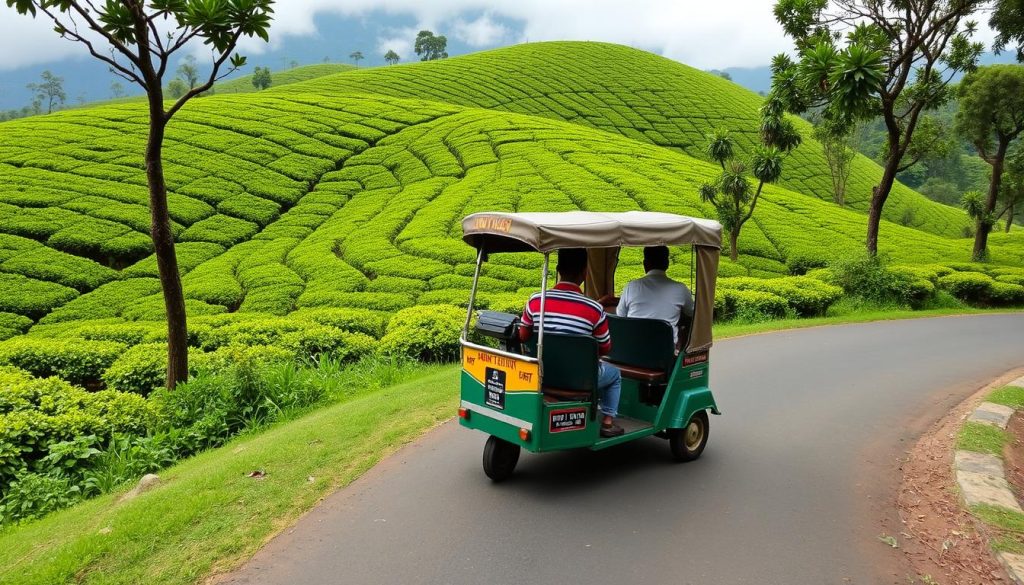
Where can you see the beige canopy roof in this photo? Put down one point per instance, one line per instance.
(544, 232)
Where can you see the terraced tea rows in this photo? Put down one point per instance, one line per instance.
(636, 94)
(310, 203)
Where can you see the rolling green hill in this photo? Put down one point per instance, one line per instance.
(283, 77)
(637, 94)
(323, 194)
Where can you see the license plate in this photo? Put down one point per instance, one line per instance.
(569, 419)
(494, 388)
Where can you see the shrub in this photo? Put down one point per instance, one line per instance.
(75, 360)
(428, 333)
(34, 495)
(806, 296)
(228, 356)
(220, 229)
(1007, 294)
(11, 325)
(365, 321)
(971, 287)
(36, 413)
(748, 305)
(29, 297)
(140, 369)
(798, 263)
(868, 278)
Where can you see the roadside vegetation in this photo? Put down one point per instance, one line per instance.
(1005, 525)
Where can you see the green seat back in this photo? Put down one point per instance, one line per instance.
(644, 343)
(569, 361)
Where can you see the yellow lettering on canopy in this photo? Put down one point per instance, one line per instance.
(521, 375)
(493, 224)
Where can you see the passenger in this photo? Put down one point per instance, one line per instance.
(568, 311)
(656, 296)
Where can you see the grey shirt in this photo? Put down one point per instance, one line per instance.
(656, 296)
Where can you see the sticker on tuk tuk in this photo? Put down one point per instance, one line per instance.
(494, 389)
(569, 419)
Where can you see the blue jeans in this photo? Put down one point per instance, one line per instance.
(609, 383)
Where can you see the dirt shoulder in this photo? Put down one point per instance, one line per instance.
(939, 538)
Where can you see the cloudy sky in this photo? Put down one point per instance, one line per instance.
(701, 33)
(707, 34)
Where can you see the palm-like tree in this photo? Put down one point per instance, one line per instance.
(392, 57)
(356, 57)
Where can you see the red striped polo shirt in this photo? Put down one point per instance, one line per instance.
(568, 311)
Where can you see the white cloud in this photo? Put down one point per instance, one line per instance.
(482, 32)
(715, 34)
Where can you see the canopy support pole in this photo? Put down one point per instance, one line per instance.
(472, 294)
(543, 306)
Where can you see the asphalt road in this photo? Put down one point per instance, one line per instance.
(794, 487)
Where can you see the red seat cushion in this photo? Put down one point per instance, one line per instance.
(641, 374)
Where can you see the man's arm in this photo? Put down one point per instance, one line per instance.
(623, 309)
(526, 322)
(603, 336)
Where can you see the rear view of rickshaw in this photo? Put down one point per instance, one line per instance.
(542, 395)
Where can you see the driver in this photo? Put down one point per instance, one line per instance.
(656, 296)
(568, 311)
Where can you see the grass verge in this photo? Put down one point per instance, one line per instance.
(207, 514)
(982, 438)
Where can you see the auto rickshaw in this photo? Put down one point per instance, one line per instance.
(542, 395)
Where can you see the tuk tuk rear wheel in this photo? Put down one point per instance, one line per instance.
(500, 458)
(688, 443)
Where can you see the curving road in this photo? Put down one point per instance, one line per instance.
(794, 487)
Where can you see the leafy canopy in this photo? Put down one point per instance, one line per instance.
(991, 106)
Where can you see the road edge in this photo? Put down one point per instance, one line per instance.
(982, 477)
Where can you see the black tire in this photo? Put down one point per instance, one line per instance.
(688, 443)
(500, 458)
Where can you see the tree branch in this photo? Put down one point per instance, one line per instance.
(209, 82)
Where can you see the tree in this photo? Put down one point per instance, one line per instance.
(188, 71)
(392, 57)
(723, 74)
(139, 39)
(327, 59)
(732, 194)
(1013, 185)
(356, 57)
(1008, 21)
(261, 78)
(293, 64)
(176, 88)
(430, 47)
(864, 58)
(991, 117)
(835, 145)
(49, 91)
(117, 90)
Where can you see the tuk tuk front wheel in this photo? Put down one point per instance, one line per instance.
(688, 443)
(500, 458)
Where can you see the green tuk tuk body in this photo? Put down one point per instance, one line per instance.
(544, 397)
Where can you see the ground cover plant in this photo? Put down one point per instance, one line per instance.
(322, 219)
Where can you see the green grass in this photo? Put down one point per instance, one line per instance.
(1002, 518)
(982, 438)
(1012, 396)
(207, 513)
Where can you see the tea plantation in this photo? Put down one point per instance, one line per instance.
(323, 218)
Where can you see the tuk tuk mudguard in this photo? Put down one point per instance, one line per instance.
(688, 394)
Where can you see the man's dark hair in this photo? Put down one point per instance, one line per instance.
(572, 264)
(656, 258)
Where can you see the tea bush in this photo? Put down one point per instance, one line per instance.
(972, 287)
(807, 297)
(428, 333)
(77, 361)
(751, 305)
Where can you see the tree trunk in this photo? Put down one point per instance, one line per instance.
(983, 228)
(1009, 218)
(734, 251)
(163, 245)
(878, 197)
